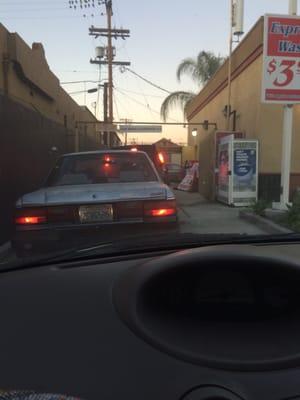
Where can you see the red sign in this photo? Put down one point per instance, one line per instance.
(281, 60)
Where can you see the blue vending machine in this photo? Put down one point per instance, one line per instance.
(237, 171)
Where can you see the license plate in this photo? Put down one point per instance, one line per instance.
(96, 213)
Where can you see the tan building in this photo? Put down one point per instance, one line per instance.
(256, 120)
(26, 78)
(38, 122)
(172, 150)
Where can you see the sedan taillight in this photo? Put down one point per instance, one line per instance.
(160, 209)
(31, 216)
(43, 215)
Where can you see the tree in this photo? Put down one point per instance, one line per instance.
(200, 70)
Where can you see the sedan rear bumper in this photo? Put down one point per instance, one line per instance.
(46, 239)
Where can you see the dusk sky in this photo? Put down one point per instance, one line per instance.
(162, 34)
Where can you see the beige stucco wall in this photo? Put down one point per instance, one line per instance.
(188, 153)
(37, 87)
(256, 120)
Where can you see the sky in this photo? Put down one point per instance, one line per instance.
(163, 32)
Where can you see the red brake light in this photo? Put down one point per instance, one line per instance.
(160, 208)
(51, 215)
(134, 149)
(31, 216)
(31, 220)
(107, 159)
(161, 158)
(162, 212)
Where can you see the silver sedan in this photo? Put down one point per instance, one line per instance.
(94, 197)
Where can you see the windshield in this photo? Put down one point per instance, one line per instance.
(137, 125)
(173, 167)
(102, 168)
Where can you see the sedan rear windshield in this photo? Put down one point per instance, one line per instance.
(102, 168)
(174, 167)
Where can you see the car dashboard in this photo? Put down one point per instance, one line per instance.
(217, 322)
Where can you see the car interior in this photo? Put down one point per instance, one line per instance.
(217, 322)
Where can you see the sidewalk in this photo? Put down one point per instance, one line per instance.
(197, 215)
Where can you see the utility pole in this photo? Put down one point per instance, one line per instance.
(105, 98)
(237, 30)
(126, 121)
(293, 7)
(229, 68)
(287, 140)
(110, 60)
(110, 34)
(106, 135)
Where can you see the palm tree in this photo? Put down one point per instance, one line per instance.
(200, 70)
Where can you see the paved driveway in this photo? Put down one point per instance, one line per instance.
(197, 215)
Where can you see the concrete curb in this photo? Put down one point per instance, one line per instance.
(263, 223)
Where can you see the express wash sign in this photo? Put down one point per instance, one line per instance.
(281, 60)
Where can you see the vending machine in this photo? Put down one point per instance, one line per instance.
(237, 171)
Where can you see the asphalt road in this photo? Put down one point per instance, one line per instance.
(196, 215)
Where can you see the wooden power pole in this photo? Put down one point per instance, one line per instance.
(110, 34)
(110, 60)
(105, 103)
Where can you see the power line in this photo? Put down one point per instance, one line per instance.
(145, 98)
(98, 94)
(107, 58)
(37, 2)
(75, 71)
(141, 104)
(136, 101)
(79, 92)
(128, 113)
(146, 80)
(116, 107)
(26, 5)
(125, 48)
(140, 94)
(52, 17)
(70, 83)
(33, 10)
